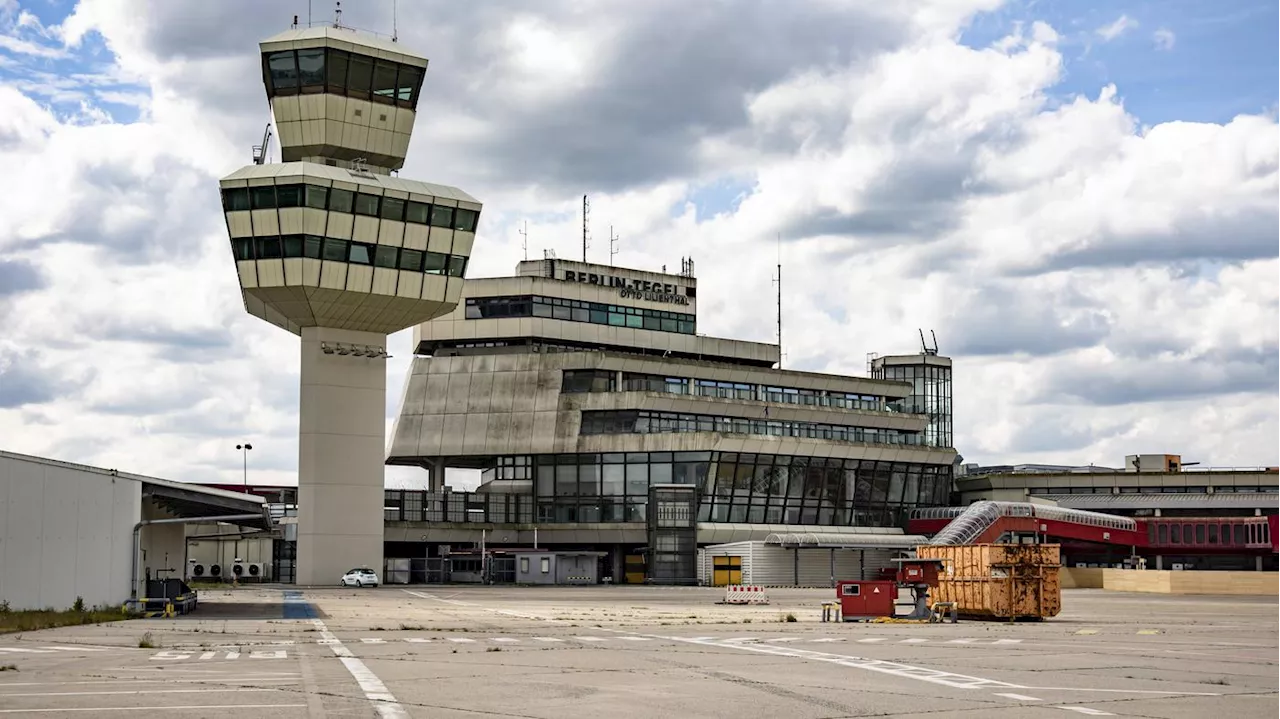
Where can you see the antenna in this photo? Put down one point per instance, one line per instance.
(337, 15)
(524, 241)
(395, 33)
(924, 346)
(586, 213)
(613, 241)
(308, 13)
(260, 151)
(778, 281)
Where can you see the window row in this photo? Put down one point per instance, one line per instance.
(579, 311)
(334, 199)
(1189, 489)
(356, 253)
(1208, 533)
(636, 382)
(318, 70)
(646, 422)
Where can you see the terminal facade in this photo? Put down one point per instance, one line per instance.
(1196, 517)
(580, 390)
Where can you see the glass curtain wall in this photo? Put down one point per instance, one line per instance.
(734, 487)
(930, 395)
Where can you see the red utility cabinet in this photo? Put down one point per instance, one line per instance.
(866, 600)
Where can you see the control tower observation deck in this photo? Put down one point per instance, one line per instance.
(331, 247)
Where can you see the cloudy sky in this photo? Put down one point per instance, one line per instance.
(1079, 197)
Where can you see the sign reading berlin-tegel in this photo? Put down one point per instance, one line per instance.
(632, 289)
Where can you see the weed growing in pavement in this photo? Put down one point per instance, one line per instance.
(747, 620)
(8, 667)
(145, 642)
(494, 649)
(411, 627)
(790, 618)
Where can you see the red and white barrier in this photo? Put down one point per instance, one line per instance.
(745, 595)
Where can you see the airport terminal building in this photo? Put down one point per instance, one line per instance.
(603, 421)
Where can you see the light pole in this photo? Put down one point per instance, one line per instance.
(244, 451)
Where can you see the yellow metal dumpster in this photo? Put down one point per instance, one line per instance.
(999, 581)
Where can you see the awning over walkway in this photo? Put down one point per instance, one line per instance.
(843, 540)
(191, 501)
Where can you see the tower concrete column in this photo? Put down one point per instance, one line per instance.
(340, 456)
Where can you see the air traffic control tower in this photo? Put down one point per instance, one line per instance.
(332, 247)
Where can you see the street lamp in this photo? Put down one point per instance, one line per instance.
(244, 450)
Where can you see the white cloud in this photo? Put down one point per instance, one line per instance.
(1164, 38)
(1106, 288)
(1113, 30)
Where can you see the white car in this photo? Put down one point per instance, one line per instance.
(361, 577)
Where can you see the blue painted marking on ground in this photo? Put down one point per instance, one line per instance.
(297, 608)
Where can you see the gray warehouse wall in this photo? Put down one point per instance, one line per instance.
(64, 533)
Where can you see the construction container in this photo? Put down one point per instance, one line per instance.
(998, 581)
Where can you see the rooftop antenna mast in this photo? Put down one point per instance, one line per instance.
(778, 281)
(586, 213)
(613, 241)
(395, 32)
(337, 15)
(524, 238)
(924, 346)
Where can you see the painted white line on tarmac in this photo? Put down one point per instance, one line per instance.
(906, 671)
(1019, 697)
(130, 692)
(384, 703)
(547, 639)
(1089, 711)
(191, 707)
(1127, 691)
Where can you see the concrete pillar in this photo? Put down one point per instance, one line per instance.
(1257, 564)
(1159, 561)
(341, 445)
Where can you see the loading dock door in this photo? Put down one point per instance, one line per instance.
(726, 571)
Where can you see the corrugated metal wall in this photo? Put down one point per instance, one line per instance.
(771, 565)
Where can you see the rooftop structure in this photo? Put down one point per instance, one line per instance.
(331, 247)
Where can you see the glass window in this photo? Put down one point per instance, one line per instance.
(341, 200)
(465, 220)
(267, 248)
(1213, 534)
(283, 69)
(545, 565)
(1237, 532)
(614, 480)
(457, 266)
(292, 245)
(336, 70)
(384, 81)
(316, 196)
(311, 246)
(1200, 538)
(242, 248)
(418, 212)
(385, 256)
(361, 254)
(360, 76)
(637, 479)
(235, 198)
(441, 216)
(289, 196)
(524, 565)
(407, 87)
(433, 263)
(366, 204)
(264, 198)
(335, 250)
(311, 67)
(392, 209)
(411, 260)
